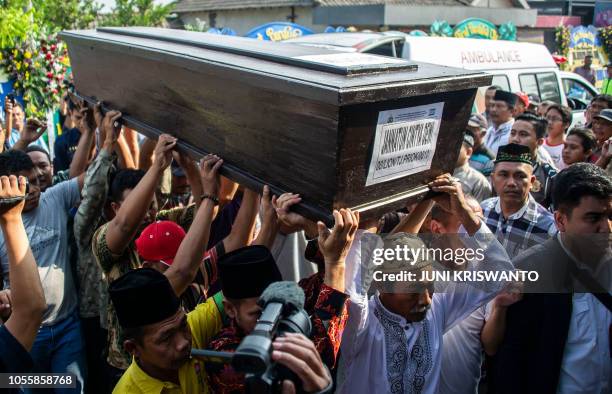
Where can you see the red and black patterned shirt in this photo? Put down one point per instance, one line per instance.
(328, 315)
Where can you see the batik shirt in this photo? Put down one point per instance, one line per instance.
(114, 266)
(93, 293)
(382, 352)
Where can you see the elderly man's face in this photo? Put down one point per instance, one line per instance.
(411, 303)
(500, 112)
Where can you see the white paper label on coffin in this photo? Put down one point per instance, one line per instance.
(405, 142)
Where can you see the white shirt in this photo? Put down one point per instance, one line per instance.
(545, 156)
(383, 353)
(556, 154)
(497, 137)
(586, 365)
(462, 355)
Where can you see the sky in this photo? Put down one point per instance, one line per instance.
(108, 4)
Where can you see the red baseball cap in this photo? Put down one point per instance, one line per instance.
(523, 97)
(160, 241)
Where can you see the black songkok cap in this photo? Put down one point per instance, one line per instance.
(143, 296)
(514, 153)
(508, 97)
(247, 272)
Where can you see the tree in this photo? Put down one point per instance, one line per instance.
(137, 13)
(68, 14)
(56, 15)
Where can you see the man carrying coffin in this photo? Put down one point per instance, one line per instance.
(392, 341)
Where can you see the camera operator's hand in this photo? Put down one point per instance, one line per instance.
(299, 354)
(12, 187)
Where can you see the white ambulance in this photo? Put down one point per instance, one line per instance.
(515, 66)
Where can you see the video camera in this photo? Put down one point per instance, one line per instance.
(283, 312)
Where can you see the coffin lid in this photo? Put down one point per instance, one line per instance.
(341, 78)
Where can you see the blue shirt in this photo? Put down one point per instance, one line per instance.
(14, 137)
(65, 147)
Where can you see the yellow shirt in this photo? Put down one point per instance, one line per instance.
(205, 321)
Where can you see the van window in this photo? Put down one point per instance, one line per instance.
(544, 85)
(578, 94)
(576, 89)
(502, 82)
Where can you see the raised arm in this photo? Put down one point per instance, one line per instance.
(244, 225)
(131, 139)
(87, 126)
(335, 246)
(494, 329)
(189, 255)
(413, 222)
(96, 186)
(123, 227)
(31, 132)
(193, 175)
(8, 116)
(3, 136)
(270, 223)
(27, 297)
(145, 159)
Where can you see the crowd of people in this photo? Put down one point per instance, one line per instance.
(124, 253)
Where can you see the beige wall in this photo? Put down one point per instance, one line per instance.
(244, 20)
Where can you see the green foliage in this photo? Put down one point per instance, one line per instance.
(15, 24)
(67, 14)
(605, 34)
(199, 25)
(52, 14)
(137, 13)
(37, 65)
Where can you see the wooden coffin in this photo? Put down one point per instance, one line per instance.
(343, 130)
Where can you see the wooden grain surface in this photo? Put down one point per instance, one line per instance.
(303, 131)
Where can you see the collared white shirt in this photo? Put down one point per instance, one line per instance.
(381, 352)
(586, 365)
(499, 136)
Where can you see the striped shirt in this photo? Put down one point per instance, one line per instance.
(530, 225)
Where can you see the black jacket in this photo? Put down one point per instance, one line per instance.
(529, 359)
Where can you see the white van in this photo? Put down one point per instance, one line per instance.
(516, 66)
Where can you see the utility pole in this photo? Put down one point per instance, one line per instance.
(293, 15)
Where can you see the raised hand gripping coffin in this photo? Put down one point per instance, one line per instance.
(343, 130)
